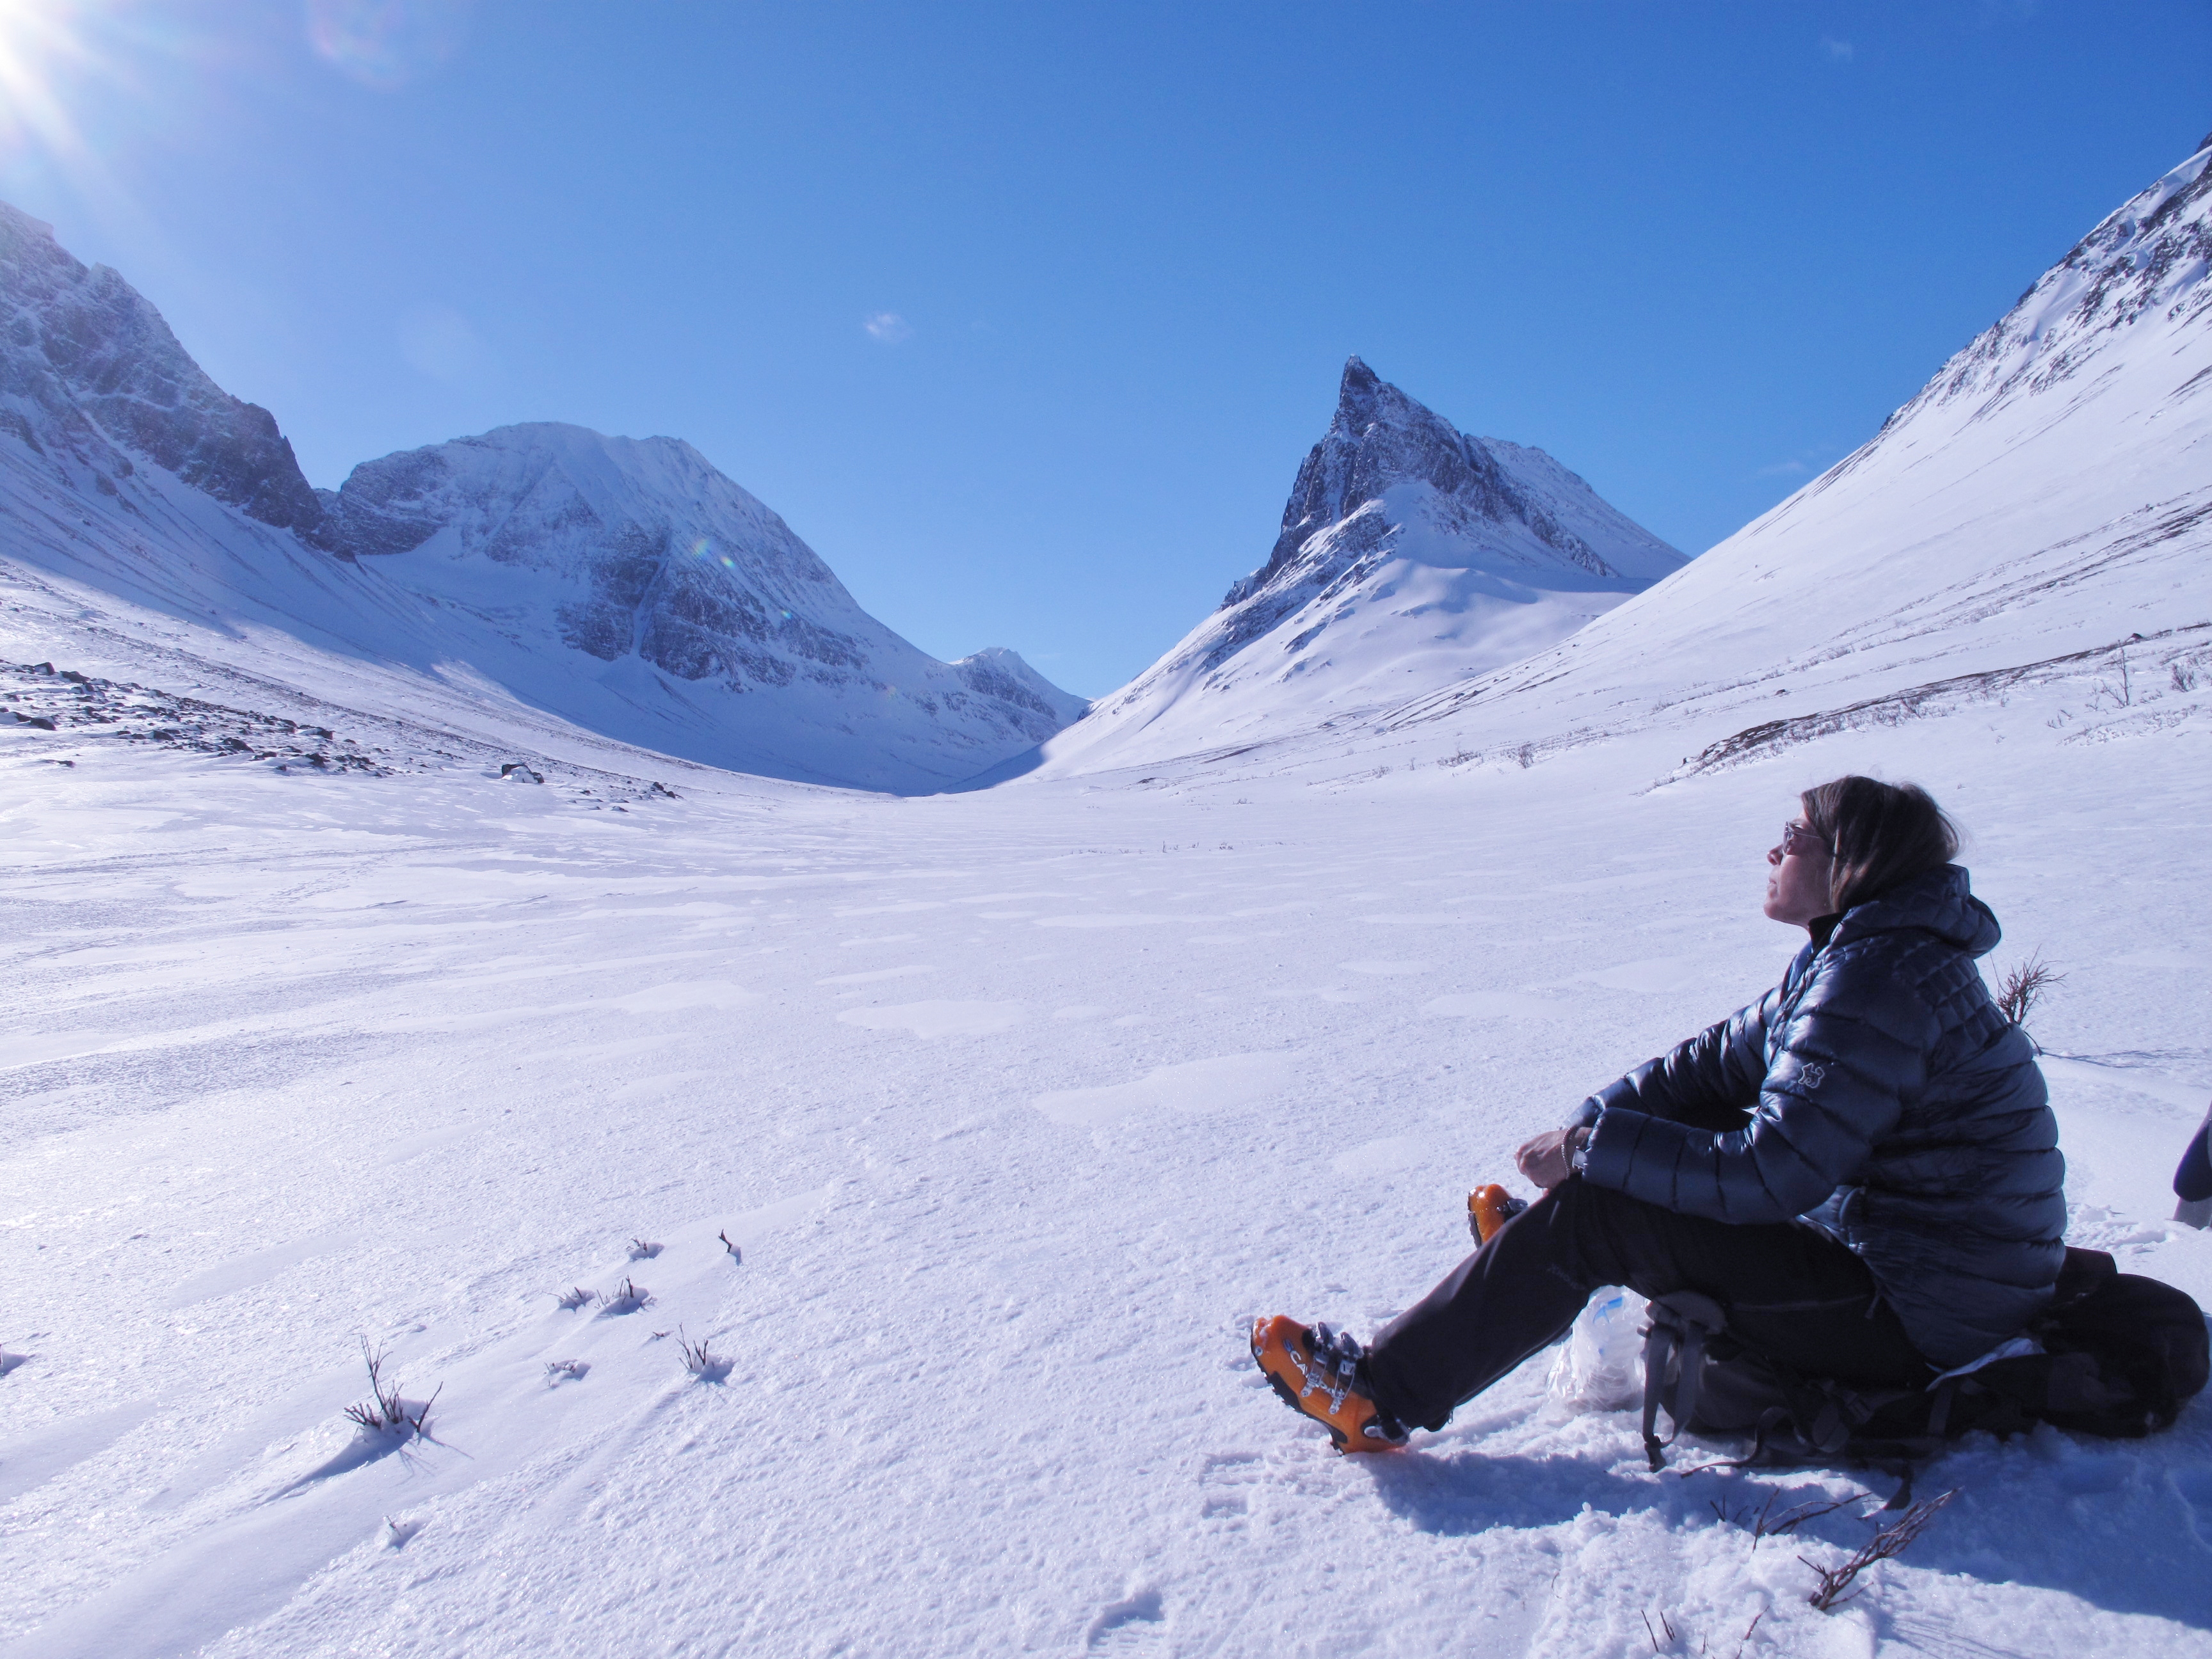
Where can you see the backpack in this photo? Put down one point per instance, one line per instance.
(2120, 1355)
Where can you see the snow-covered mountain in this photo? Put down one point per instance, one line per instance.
(1411, 554)
(633, 566)
(2040, 513)
(622, 585)
(93, 382)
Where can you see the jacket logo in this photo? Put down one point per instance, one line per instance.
(1813, 1075)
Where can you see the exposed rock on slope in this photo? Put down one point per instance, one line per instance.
(1411, 555)
(91, 377)
(998, 673)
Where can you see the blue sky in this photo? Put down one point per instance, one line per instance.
(1114, 255)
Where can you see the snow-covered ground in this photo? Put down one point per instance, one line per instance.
(1019, 1107)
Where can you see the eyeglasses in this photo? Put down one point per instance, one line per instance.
(1800, 838)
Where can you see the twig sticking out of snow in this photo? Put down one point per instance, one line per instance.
(558, 1371)
(625, 1297)
(1767, 1524)
(384, 1412)
(573, 1298)
(707, 1366)
(1891, 1541)
(735, 1255)
(642, 1249)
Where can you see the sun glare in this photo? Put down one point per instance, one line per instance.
(41, 42)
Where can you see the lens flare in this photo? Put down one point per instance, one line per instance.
(387, 45)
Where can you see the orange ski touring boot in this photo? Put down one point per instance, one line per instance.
(1316, 1371)
(1489, 1208)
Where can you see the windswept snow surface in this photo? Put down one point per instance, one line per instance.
(1019, 1107)
(1411, 555)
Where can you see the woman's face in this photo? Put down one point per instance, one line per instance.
(1797, 868)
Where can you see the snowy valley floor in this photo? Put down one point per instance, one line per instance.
(1019, 1106)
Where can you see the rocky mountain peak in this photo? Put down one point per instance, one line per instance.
(1410, 555)
(94, 382)
(1387, 460)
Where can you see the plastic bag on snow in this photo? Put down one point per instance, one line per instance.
(1600, 1365)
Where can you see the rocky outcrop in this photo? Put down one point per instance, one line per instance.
(92, 379)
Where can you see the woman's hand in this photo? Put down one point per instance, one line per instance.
(1545, 1161)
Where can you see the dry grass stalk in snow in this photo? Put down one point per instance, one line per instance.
(384, 1412)
(643, 1249)
(1767, 1524)
(1890, 1541)
(707, 1366)
(573, 1298)
(2023, 986)
(625, 1297)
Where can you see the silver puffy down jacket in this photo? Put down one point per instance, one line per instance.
(1878, 1093)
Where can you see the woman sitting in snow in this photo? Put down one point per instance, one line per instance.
(1861, 1167)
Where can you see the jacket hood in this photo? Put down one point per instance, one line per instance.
(1938, 902)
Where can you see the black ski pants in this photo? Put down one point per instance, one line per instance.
(1791, 1290)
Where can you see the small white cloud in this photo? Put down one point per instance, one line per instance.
(1781, 469)
(888, 327)
(1839, 52)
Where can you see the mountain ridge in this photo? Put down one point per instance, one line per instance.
(624, 584)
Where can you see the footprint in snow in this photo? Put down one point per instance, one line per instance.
(1132, 1624)
(1225, 1481)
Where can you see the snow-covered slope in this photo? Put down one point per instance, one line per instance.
(2040, 512)
(624, 586)
(1411, 555)
(1019, 1106)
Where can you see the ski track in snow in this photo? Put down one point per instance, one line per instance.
(1016, 1107)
